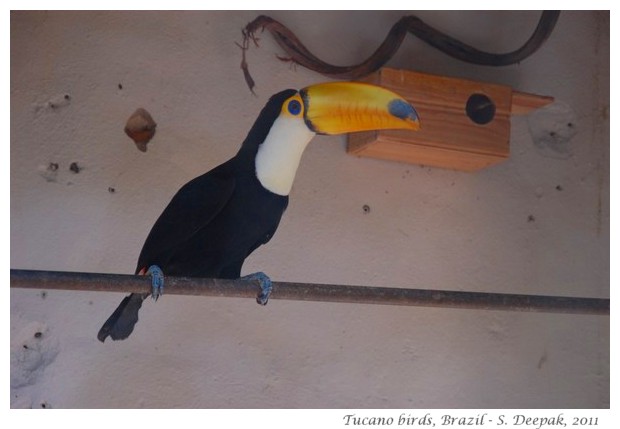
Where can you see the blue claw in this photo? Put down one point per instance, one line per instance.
(265, 285)
(157, 281)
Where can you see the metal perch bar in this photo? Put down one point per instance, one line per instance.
(310, 292)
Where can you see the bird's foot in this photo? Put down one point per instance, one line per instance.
(157, 281)
(265, 285)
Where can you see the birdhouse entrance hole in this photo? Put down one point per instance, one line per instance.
(480, 109)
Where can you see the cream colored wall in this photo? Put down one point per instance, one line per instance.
(427, 228)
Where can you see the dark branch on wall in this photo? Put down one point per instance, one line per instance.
(297, 53)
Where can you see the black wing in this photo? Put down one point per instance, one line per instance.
(192, 207)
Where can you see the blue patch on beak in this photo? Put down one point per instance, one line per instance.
(403, 110)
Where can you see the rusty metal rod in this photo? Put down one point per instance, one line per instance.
(310, 292)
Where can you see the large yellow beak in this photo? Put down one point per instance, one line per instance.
(345, 107)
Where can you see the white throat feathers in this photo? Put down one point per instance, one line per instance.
(279, 155)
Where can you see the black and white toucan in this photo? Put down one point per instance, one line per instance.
(216, 220)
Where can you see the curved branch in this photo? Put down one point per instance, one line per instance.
(299, 54)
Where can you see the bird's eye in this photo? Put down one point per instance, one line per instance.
(294, 107)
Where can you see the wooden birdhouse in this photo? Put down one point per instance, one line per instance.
(465, 125)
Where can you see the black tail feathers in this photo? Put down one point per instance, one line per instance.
(120, 324)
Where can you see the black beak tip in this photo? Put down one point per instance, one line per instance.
(403, 110)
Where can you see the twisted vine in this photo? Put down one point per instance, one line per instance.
(298, 54)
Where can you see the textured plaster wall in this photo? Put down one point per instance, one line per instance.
(538, 223)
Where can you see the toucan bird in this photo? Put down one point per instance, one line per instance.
(216, 220)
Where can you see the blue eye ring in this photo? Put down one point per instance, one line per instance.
(294, 107)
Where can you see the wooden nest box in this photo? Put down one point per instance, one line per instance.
(465, 125)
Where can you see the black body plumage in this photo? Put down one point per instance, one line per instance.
(211, 224)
